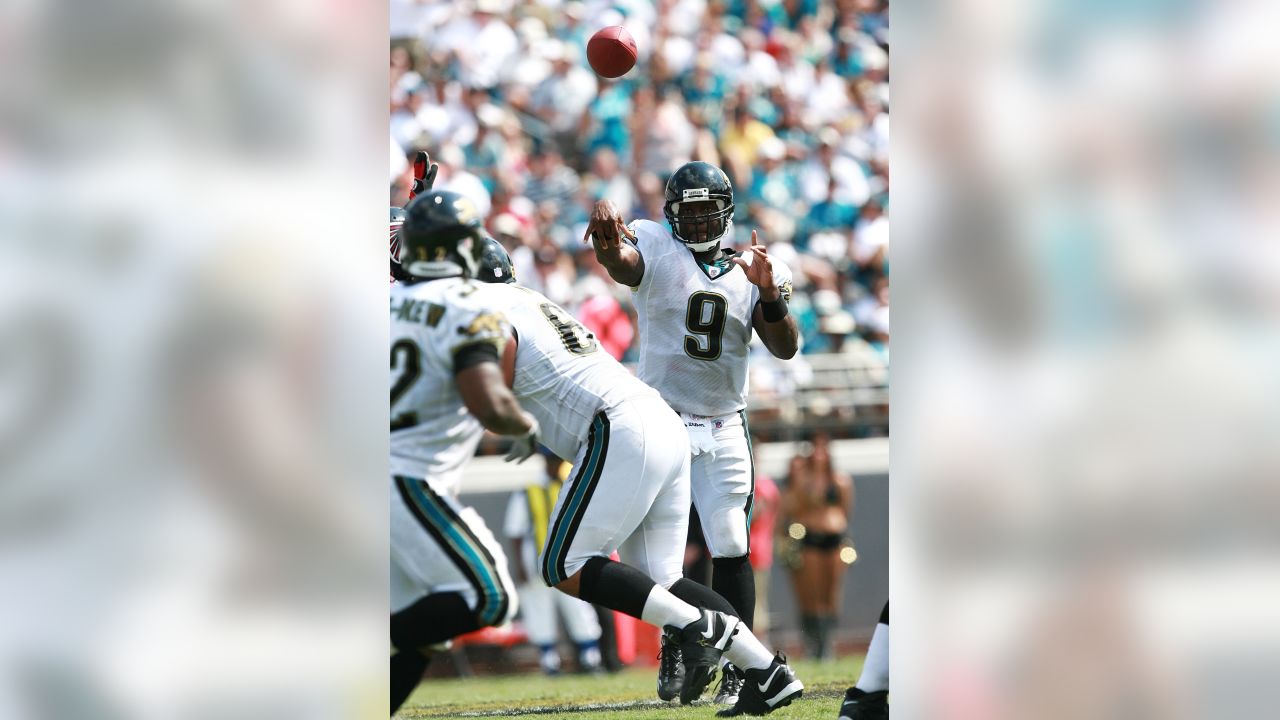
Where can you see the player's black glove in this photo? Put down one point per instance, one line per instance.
(424, 174)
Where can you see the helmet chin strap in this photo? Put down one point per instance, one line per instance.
(710, 244)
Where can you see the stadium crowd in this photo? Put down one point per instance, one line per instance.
(790, 97)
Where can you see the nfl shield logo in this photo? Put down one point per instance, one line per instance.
(719, 424)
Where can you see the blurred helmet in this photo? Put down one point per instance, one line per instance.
(397, 219)
(441, 237)
(495, 263)
(699, 182)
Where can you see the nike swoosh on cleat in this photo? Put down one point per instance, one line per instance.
(765, 685)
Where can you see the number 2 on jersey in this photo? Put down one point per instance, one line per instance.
(405, 357)
(705, 318)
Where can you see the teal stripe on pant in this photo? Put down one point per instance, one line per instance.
(550, 565)
(492, 599)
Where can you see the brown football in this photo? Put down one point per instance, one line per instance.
(612, 52)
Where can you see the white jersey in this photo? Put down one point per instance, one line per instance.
(432, 433)
(563, 377)
(695, 323)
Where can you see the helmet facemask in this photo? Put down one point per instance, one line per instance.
(701, 220)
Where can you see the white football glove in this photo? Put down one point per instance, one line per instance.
(526, 445)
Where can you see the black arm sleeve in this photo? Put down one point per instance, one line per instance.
(473, 354)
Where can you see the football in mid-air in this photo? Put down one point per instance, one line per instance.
(611, 52)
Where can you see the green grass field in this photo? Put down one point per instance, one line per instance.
(629, 694)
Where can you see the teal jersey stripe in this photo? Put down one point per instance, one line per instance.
(492, 600)
(571, 507)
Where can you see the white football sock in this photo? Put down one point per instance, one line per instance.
(662, 608)
(875, 670)
(747, 652)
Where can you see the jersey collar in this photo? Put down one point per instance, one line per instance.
(721, 266)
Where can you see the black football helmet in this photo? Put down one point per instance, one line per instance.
(441, 236)
(699, 182)
(495, 263)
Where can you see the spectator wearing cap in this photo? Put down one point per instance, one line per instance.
(827, 163)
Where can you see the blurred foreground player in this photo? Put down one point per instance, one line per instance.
(629, 492)
(448, 574)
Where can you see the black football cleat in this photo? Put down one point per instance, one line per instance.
(766, 690)
(702, 642)
(859, 705)
(670, 668)
(730, 686)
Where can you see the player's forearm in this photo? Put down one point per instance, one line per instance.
(489, 399)
(623, 263)
(505, 417)
(782, 338)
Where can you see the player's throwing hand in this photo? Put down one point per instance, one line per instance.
(759, 269)
(606, 227)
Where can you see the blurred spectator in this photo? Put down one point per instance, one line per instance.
(606, 181)
(604, 317)
(871, 239)
(772, 186)
(826, 227)
(666, 137)
(444, 115)
(483, 43)
(406, 128)
(561, 99)
(827, 164)
(550, 180)
(453, 175)
(740, 144)
(764, 517)
(527, 520)
(816, 505)
(872, 315)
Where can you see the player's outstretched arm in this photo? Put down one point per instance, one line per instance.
(605, 229)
